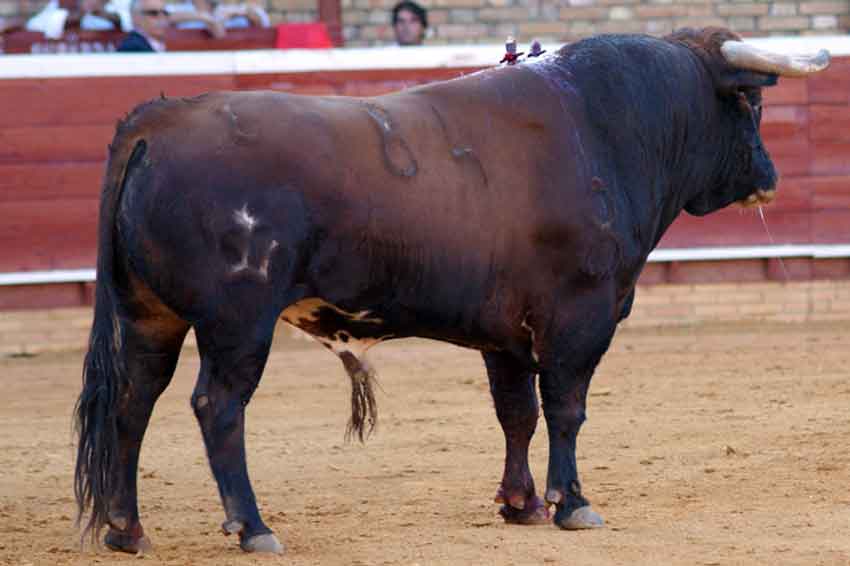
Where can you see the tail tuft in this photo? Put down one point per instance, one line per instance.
(364, 408)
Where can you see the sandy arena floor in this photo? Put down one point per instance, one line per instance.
(704, 446)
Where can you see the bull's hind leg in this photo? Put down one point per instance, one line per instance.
(512, 387)
(151, 348)
(570, 350)
(233, 356)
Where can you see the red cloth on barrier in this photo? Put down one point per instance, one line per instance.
(303, 36)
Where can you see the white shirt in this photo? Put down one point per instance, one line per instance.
(157, 45)
(51, 19)
(222, 13)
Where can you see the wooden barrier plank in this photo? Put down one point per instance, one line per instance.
(784, 130)
(831, 226)
(654, 273)
(791, 156)
(54, 143)
(830, 158)
(95, 100)
(832, 86)
(337, 80)
(48, 234)
(830, 192)
(837, 268)
(200, 40)
(792, 193)
(789, 269)
(782, 122)
(739, 227)
(55, 180)
(795, 92)
(14, 297)
(687, 272)
(829, 123)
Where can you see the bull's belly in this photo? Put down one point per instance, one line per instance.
(345, 331)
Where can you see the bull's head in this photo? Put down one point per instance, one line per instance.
(740, 71)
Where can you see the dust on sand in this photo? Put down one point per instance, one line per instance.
(708, 445)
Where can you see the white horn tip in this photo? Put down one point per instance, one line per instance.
(821, 60)
(746, 56)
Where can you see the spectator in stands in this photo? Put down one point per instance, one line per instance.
(410, 21)
(150, 22)
(59, 15)
(248, 14)
(194, 14)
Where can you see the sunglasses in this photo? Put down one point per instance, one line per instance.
(154, 13)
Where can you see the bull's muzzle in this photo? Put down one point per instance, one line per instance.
(759, 198)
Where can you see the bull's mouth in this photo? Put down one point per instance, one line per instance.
(758, 198)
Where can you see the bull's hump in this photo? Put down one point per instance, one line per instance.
(337, 329)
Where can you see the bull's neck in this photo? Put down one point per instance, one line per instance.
(650, 119)
(696, 151)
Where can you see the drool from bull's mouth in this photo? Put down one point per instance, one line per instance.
(409, 214)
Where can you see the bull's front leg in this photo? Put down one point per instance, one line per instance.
(569, 357)
(512, 387)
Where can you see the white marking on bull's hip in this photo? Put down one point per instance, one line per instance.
(263, 269)
(243, 218)
(264, 265)
(242, 265)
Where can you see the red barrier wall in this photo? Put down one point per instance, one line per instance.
(54, 133)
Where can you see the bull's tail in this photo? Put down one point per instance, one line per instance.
(364, 409)
(104, 371)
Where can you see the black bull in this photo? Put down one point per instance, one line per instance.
(509, 211)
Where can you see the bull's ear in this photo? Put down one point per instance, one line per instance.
(741, 79)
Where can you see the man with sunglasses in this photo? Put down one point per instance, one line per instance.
(150, 22)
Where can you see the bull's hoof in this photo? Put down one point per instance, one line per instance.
(232, 527)
(262, 543)
(121, 541)
(532, 512)
(581, 518)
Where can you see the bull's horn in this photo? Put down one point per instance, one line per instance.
(744, 56)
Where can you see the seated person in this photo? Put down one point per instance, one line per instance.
(194, 14)
(249, 14)
(150, 23)
(410, 22)
(97, 15)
